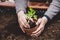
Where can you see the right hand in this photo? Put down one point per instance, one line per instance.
(41, 22)
(22, 21)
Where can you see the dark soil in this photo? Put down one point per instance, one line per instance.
(9, 29)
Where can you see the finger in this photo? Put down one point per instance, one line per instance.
(39, 28)
(38, 22)
(31, 19)
(22, 22)
(22, 28)
(38, 33)
(26, 25)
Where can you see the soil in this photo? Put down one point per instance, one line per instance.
(9, 28)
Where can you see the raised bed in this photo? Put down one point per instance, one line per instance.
(31, 4)
(11, 31)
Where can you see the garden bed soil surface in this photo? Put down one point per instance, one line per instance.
(9, 29)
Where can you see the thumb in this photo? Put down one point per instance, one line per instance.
(39, 21)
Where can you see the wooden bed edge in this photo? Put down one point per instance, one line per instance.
(10, 4)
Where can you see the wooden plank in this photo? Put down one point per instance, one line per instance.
(31, 4)
(7, 4)
(38, 5)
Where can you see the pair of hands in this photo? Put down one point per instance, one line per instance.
(24, 24)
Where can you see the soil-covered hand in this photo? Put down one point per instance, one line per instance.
(22, 20)
(41, 22)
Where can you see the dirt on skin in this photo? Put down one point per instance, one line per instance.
(9, 28)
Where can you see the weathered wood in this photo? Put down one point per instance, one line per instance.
(31, 4)
(7, 4)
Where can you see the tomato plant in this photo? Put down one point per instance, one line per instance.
(31, 14)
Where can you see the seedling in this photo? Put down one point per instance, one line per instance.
(31, 14)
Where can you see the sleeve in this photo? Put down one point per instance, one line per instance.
(53, 9)
(21, 5)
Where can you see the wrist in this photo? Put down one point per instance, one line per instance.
(20, 13)
(44, 20)
(48, 18)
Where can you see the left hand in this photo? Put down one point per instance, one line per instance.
(41, 22)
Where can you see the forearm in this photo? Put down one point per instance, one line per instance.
(53, 9)
(21, 5)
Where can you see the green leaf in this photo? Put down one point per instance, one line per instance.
(35, 17)
(31, 13)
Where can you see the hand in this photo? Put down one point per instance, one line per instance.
(22, 21)
(41, 22)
